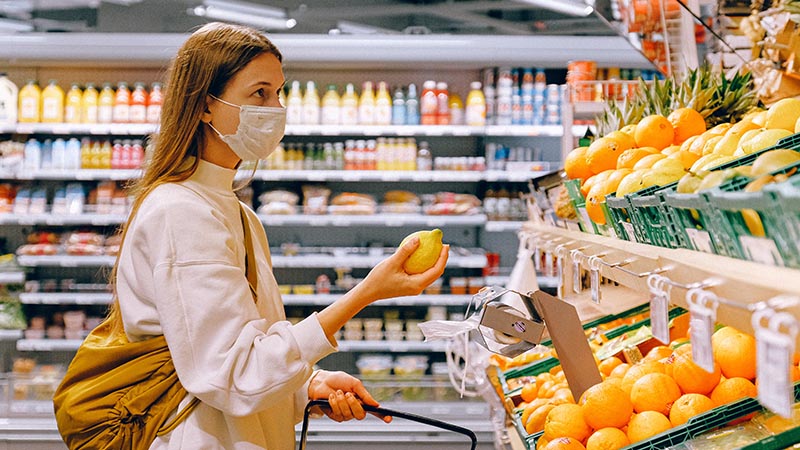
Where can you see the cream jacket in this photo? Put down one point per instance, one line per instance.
(181, 274)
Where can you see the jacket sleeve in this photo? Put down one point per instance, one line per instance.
(225, 353)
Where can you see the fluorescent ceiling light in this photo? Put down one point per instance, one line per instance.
(258, 16)
(572, 8)
(14, 26)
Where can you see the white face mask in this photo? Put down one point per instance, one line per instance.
(259, 132)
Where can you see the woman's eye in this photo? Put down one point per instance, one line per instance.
(260, 93)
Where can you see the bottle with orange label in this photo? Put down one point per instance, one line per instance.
(122, 104)
(154, 101)
(52, 103)
(137, 113)
(105, 104)
(443, 104)
(89, 104)
(30, 98)
(428, 103)
(72, 106)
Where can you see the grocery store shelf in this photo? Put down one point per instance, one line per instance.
(80, 174)
(370, 175)
(386, 220)
(62, 219)
(503, 225)
(48, 345)
(16, 277)
(306, 261)
(391, 346)
(65, 298)
(10, 335)
(419, 300)
(587, 110)
(116, 129)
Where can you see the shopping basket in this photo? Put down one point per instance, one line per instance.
(388, 412)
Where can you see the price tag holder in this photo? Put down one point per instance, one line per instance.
(761, 250)
(537, 257)
(700, 239)
(548, 263)
(659, 307)
(775, 343)
(577, 279)
(594, 278)
(702, 316)
(561, 253)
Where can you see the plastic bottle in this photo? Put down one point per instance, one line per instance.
(105, 104)
(475, 111)
(428, 103)
(58, 154)
(398, 107)
(89, 104)
(331, 106)
(137, 154)
(442, 103)
(383, 105)
(52, 103)
(424, 157)
(32, 155)
(294, 105)
(122, 104)
(412, 106)
(72, 158)
(456, 107)
(73, 104)
(349, 111)
(311, 105)
(8, 100)
(154, 102)
(366, 105)
(138, 107)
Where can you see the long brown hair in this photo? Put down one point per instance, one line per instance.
(204, 64)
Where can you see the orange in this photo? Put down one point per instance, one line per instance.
(606, 405)
(591, 181)
(608, 364)
(607, 439)
(531, 407)
(566, 421)
(692, 378)
(686, 158)
(529, 392)
(625, 139)
(563, 395)
(575, 164)
(638, 371)
(732, 389)
(546, 389)
(654, 131)
(736, 355)
(647, 424)
(630, 157)
(721, 334)
(563, 443)
(535, 421)
(658, 353)
(686, 122)
(594, 200)
(620, 371)
(688, 406)
(654, 392)
(614, 381)
(603, 153)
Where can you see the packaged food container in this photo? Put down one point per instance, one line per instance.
(458, 285)
(373, 325)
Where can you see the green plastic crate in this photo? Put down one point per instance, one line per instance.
(579, 203)
(651, 214)
(788, 195)
(620, 218)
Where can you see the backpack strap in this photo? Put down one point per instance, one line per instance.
(250, 270)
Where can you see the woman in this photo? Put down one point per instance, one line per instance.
(181, 269)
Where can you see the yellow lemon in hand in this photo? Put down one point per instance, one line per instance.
(426, 255)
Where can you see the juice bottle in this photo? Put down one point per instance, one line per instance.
(383, 105)
(456, 109)
(366, 105)
(311, 105)
(89, 104)
(52, 103)
(349, 111)
(331, 106)
(138, 107)
(122, 104)
(154, 101)
(476, 106)
(428, 103)
(294, 105)
(412, 105)
(106, 151)
(398, 107)
(72, 107)
(8, 100)
(105, 104)
(443, 104)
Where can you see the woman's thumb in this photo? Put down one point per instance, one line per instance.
(408, 248)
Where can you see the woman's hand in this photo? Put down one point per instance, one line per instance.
(344, 392)
(388, 279)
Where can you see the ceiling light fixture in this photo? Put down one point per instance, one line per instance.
(244, 13)
(572, 8)
(14, 26)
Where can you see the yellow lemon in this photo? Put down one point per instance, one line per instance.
(426, 255)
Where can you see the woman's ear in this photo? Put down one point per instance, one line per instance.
(206, 116)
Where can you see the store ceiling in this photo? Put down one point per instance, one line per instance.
(457, 17)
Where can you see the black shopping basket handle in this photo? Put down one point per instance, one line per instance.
(388, 412)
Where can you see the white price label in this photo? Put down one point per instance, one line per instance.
(594, 276)
(629, 231)
(577, 281)
(560, 275)
(588, 226)
(701, 240)
(537, 259)
(761, 250)
(701, 326)
(548, 264)
(659, 316)
(776, 334)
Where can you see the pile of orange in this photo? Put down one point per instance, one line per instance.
(636, 402)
